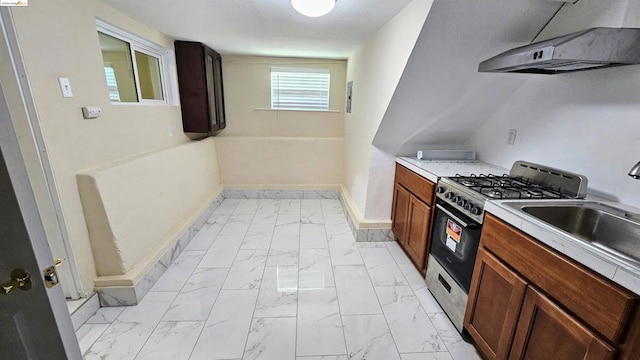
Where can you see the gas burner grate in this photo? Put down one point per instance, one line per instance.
(507, 187)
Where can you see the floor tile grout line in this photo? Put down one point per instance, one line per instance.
(384, 316)
(255, 304)
(154, 328)
(102, 332)
(219, 291)
(421, 306)
(295, 348)
(196, 267)
(335, 284)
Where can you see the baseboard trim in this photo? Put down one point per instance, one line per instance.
(132, 295)
(80, 315)
(290, 193)
(364, 231)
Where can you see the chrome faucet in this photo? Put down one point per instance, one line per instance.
(635, 171)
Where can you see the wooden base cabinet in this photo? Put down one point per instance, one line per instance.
(545, 330)
(495, 300)
(418, 231)
(528, 302)
(400, 213)
(412, 215)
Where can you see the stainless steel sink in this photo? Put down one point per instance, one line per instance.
(604, 227)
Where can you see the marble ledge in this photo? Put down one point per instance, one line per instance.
(132, 295)
(619, 272)
(232, 193)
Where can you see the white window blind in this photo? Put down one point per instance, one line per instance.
(112, 84)
(300, 89)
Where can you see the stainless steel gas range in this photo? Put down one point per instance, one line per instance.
(458, 223)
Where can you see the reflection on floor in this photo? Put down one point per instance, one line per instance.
(280, 279)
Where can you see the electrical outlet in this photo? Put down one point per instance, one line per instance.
(512, 137)
(91, 112)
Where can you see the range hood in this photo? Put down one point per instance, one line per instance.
(583, 50)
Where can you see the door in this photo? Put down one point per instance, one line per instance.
(418, 231)
(35, 323)
(400, 213)
(454, 242)
(546, 331)
(494, 305)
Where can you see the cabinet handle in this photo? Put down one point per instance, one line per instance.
(444, 283)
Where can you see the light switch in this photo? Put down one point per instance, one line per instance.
(91, 112)
(65, 86)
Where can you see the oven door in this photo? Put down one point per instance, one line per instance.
(454, 243)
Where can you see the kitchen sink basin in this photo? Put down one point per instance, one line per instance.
(613, 230)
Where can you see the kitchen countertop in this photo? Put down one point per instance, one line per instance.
(432, 170)
(620, 272)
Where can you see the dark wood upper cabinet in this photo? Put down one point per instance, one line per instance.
(201, 89)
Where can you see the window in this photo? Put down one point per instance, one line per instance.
(135, 69)
(300, 89)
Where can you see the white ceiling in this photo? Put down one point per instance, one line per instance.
(265, 27)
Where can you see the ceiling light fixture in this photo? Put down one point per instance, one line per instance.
(313, 8)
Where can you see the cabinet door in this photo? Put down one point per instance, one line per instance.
(193, 73)
(211, 89)
(545, 331)
(418, 231)
(400, 213)
(495, 297)
(219, 91)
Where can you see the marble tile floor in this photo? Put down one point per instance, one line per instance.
(280, 279)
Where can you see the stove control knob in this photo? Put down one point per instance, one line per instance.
(476, 211)
(439, 190)
(456, 199)
(469, 206)
(462, 202)
(449, 195)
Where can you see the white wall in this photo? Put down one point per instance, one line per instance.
(137, 209)
(59, 39)
(264, 148)
(375, 69)
(585, 122)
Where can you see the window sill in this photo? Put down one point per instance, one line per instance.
(299, 110)
(122, 103)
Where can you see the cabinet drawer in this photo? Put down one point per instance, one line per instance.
(419, 186)
(599, 303)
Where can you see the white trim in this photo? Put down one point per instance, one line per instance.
(300, 70)
(302, 110)
(72, 285)
(166, 57)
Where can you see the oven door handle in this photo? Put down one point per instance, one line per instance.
(450, 214)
